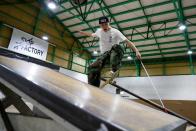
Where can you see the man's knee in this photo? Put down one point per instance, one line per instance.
(116, 64)
(96, 64)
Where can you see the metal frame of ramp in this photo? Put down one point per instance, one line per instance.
(61, 98)
(47, 100)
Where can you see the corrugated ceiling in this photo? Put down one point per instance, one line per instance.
(153, 25)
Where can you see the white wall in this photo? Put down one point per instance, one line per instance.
(169, 87)
(182, 87)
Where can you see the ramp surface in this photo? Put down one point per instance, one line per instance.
(87, 107)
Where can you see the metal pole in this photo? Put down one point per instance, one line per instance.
(153, 85)
(5, 118)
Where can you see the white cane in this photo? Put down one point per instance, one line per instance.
(153, 84)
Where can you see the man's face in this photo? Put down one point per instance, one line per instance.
(104, 26)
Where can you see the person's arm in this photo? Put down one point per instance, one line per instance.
(132, 46)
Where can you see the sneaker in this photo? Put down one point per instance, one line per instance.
(113, 74)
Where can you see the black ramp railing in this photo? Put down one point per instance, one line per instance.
(153, 104)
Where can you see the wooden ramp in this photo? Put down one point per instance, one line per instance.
(86, 107)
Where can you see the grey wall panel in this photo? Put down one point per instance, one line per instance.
(181, 87)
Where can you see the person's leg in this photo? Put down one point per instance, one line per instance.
(115, 60)
(116, 57)
(95, 70)
(94, 73)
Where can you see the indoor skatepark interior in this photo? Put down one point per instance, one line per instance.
(44, 66)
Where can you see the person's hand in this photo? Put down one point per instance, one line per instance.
(138, 55)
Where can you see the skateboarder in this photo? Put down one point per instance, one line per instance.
(109, 39)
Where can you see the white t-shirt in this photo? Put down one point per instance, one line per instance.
(109, 38)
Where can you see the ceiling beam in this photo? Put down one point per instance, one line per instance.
(153, 44)
(140, 17)
(111, 15)
(181, 18)
(65, 28)
(164, 53)
(159, 37)
(153, 23)
(123, 12)
(97, 10)
(150, 27)
(180, 14)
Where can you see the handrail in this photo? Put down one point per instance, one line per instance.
(168, 111)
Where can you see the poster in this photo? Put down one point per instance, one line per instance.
(27, 44)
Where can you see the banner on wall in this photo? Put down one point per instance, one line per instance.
(29, 45)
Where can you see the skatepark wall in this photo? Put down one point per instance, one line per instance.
(177, 92)
(180, 87)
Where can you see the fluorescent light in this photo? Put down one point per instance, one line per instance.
(52, 5)
(95, 52)
(129, 58)
(189, 52)
(45, 37)
(182, 27)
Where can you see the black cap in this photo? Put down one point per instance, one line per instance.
(103, 19)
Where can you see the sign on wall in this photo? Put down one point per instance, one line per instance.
(27, 44)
